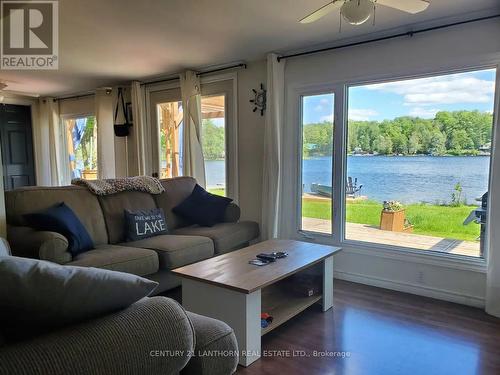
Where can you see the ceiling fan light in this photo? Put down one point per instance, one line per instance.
(356, 12)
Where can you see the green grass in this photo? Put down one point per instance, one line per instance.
(218, 191)
(431, 220)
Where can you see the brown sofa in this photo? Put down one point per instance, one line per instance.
(104, 220)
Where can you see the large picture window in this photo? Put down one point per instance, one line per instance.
(418, 157)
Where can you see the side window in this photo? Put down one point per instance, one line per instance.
(81, 146)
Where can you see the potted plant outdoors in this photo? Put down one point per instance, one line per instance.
(392, 217)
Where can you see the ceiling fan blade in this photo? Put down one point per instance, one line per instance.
(323, 11)
(409, 6)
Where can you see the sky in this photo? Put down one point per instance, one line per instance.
(422, 97)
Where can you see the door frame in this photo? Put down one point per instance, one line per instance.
(33, 104)
(152, 156)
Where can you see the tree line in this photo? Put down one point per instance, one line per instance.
(448, 133)
(213, 140)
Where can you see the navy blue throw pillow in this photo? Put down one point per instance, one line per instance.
(203, 208)
(145, 224)
(61, 219)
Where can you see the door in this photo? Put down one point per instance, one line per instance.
(17, 146)
(218, 134)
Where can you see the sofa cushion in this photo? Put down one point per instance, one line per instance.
(37, 295)
(203, 208)
(84, 204)
(226, 236)
(176, 190)
(113, 207)
(140, 262)
(61, 219)
(177, 251)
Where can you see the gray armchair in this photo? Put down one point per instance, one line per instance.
(126, 342)
(154, 336)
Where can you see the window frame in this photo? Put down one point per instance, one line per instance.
(231, 129)
(304, 232)
(341, 90)
(294, 226)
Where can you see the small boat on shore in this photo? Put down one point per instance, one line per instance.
(327, 191)
(323, 190)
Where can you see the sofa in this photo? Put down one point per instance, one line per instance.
(103, 218)
(153, 336)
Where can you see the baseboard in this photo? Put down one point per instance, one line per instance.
(411, 288)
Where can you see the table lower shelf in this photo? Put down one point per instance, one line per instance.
(283, 305)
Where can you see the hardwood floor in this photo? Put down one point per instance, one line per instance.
(381, 332)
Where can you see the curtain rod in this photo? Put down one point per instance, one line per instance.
(409, 34)
(241, 65)
(74, 97)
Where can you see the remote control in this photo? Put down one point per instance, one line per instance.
(268, 257)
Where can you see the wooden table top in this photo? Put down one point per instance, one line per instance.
(233, 271)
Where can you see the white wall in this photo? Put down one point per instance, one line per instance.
(465, 46)
(250, 141)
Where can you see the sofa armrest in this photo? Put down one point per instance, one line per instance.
(216, 349)
(153, 336)
(232, 214)
(28, 242)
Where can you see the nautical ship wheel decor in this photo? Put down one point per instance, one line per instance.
(259, 100)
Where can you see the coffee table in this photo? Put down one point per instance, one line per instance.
(227, 288)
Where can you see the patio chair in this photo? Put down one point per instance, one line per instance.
(352, 187)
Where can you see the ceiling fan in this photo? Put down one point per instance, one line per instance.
(357, 12)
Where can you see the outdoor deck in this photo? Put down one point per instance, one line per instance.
(362, 232)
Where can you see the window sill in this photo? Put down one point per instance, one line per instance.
(404, 254)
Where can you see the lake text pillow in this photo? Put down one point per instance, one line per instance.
(144, 224)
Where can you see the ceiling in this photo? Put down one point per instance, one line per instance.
(105, 42)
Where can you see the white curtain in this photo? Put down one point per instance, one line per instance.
(139, 129)
(272, 180)
(104, 111)
(48, 144)
(192, 154)
(493, 238)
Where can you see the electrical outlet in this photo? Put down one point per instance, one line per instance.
(420, 277)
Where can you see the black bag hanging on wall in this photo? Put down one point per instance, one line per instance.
(121, 130)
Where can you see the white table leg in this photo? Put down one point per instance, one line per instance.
(328, 283)
(239, 310)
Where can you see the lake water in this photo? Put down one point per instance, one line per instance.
(407, 179)
(216, 173)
